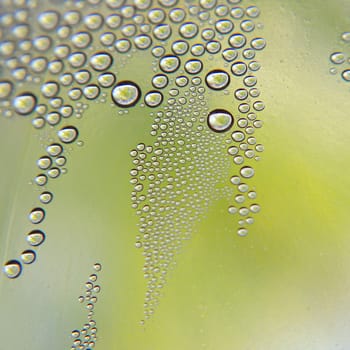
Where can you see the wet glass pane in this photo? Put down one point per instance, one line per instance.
(174, 174)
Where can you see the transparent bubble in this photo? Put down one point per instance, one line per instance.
(91, 92)
(62, 51)
(208, 34)
(37, 215)
(239, 68)
(250, 80)
(168, 3)
(232, 209)
(82, 76)
(237, 40)
(129, 30)
(126, 94)
(188, 30)
(42, 43)
(158, 51)
(224, 26)
(247, 172)
(101, 61)
(72, 17)
(160, 81)
(220, 120)
(36, 238)
(193, 66)
(153, 99)
(28, 256)
(346, 74)
(25, 103)
(12, 269)
(114, 4)
(68, 134)
(169, 64)
(217, 79)
(235, 180)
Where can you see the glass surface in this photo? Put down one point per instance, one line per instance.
(174, 174)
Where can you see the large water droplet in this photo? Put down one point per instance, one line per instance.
(28, 256)
(37, 215)
(247, 172)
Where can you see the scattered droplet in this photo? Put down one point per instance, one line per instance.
(37, 215)
(25, 103)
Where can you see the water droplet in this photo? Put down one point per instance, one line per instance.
(169, 64)
(106, 80)
(346, 37)
(179, 47)
(48, 20)
(160, 81)
(242, 232)
(346, 75)
(230, 55)
(177, 15)
(247, 172)
(337, 58)
(54, 149)
(45, 197)
(5, 89)
(247, 25)
(28, 256)
(224, 26)
(162, 31)
(37, 215)
(91, 92)
(255, 208)
(143, 41)
(258, 43)
(252, 11)
(220, 120)
(193, 66)
(101, 61)
(126, 94)
(68, 134)
(153, 99)
(12, 269)
(217, 79)
(239, 68)
(25, 103)
(237, 40)
(188, 30)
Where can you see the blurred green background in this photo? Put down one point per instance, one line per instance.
(284, 286)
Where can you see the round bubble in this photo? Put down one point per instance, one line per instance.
(12, 269)
(217, 79)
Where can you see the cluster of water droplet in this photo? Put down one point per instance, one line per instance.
(85, 338)
(340, 60)
(202, 52)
